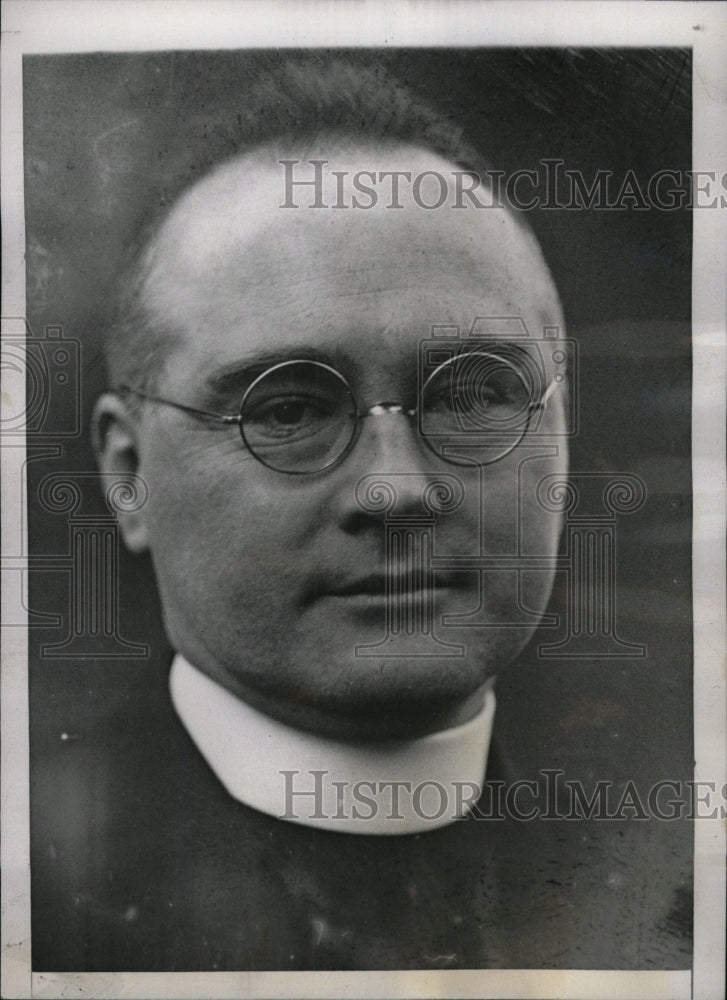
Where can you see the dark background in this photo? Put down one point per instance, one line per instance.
(101, 132)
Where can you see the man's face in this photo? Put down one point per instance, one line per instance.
(269, 582)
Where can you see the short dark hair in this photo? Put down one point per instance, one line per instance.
(298, 97)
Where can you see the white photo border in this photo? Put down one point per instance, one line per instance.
(45, 26)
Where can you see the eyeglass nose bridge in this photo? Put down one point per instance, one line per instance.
(386, 408)
(383, 408)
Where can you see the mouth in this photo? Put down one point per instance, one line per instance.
(396, 586)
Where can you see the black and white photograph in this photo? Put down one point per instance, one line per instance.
(363, 496)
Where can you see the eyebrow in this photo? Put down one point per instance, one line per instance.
(232, 380)
(237, 376)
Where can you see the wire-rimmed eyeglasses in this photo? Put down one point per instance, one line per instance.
(300, 417)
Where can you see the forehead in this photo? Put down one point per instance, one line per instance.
(234, 273)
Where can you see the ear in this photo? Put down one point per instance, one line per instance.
(115, 441)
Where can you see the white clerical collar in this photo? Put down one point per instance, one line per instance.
(385, 787)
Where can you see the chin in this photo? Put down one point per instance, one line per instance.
(385, 696)
(396, 714)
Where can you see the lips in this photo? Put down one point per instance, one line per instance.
(378, 584)
(374, 584)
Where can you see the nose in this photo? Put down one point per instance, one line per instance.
(389, 441)
(390, 471)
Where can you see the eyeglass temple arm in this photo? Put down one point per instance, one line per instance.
(221, 417)
(545, 397)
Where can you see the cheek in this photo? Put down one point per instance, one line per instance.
(222, 542)
(502, 512)
(210, 498)
(540, 478)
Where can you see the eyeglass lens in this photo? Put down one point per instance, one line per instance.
(298, 417)
(301, 416)
(475, 408)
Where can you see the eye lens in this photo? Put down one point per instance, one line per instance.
(298, 417)
(475, 408)
(477, 392)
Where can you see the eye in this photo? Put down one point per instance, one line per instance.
(463, 397)
(289, 412)
(289, 416)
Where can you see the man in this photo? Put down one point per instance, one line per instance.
(268, 389)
